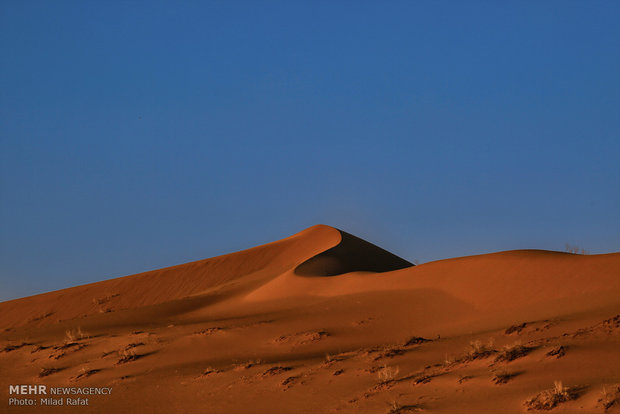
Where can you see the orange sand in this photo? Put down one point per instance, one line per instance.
(325, 322)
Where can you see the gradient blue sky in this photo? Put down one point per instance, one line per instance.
(137, 135)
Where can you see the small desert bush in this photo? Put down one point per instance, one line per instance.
(512, 352)
(610, 396)
(387, 374)
(416, 340)
(126, 355)
(389, 352)
(449, 360)
(502, 377)
(558, 352)
(479, 350)
(276, 370)
(396, 408)
(73, 335)
(86, 372)
(574, 249)
(9, 348)
(209, 371)
(47, 371)
(549, 399)
(247, 365)
(331, 359)
(105, 299)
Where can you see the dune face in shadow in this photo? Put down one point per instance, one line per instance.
(352, 254)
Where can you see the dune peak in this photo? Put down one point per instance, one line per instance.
(351, 254)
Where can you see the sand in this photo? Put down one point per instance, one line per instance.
(322, 322)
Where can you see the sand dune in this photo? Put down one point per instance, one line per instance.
(323, 321)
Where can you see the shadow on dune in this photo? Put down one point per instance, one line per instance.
(352, 254)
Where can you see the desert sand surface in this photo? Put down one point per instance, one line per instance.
(324, 322)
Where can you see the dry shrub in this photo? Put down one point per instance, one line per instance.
(609, 397)
(290, 381)
(416, 340)
(502, 377)
(276, 370)
(396, 408)
(73, 335)
(9, 348)
(449, 360)
(574, 249)
(515, 328)
(134, 344)
(41, 316)
(248, 364)
(47, 371)
(105, 299)
(389, 352)
(85, 373)
(549, 399)
(558, 352)
(38, 348)
(478, 350)
(422, 379)
(387, 374)
(512, 352)
(126, 355)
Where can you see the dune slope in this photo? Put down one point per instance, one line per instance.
(323, 321)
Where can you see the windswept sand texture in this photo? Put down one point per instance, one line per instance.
(325, 322)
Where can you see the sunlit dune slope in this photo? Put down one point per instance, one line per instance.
(318, 250)
(323, 321)
(220, 273)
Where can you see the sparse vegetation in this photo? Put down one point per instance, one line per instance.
(105, 299)
(448, 360)
(574, 249)
(396, 408)
(389, 352)
(99, 302)
(610, 397)
(9, 348)
(423, 379)
(73, 335)
(47, 371)
(38, 348)
(329, 359)
(209, 371)
(133, 345)
(502, 377)
(558, 352)
(208, 331)
(41, 316)
(248, 364)
(288, 382)
(387, 373)
(515, 329)
(301, 338)
(512, 352)
(549, 399)
(126, 355)
(276, 370)
(478, 350)
(332, 359)
(85, 373)
(416, 340)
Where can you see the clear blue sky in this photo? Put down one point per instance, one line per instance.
(141, 134)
